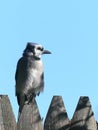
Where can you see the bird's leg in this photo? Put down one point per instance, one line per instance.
(30, 97)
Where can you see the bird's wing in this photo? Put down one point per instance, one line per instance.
(19, 70)
(19, 76)
(19, 64)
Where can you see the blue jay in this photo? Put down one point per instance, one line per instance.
(29, 74)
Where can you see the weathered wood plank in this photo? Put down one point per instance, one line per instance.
(30, 118)
(56, 118)
(7, 119)
(83, 118)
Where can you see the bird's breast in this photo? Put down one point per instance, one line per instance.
(34, 74)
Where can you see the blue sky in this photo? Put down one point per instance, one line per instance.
(69, 28)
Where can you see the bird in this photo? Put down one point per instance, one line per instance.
(29, 76)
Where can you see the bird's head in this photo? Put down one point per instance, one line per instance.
(35, 50)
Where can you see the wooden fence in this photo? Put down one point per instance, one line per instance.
(56, 118)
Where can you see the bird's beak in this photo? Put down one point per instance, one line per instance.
(46, 52)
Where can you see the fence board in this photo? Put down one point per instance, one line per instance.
(30, 118)
(56, 118)
(83, 118)
(7, 118)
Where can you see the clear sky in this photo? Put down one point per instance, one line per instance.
(68, 28)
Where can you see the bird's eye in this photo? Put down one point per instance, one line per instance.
(39, 48)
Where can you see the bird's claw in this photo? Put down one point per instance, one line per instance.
(30, 97)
